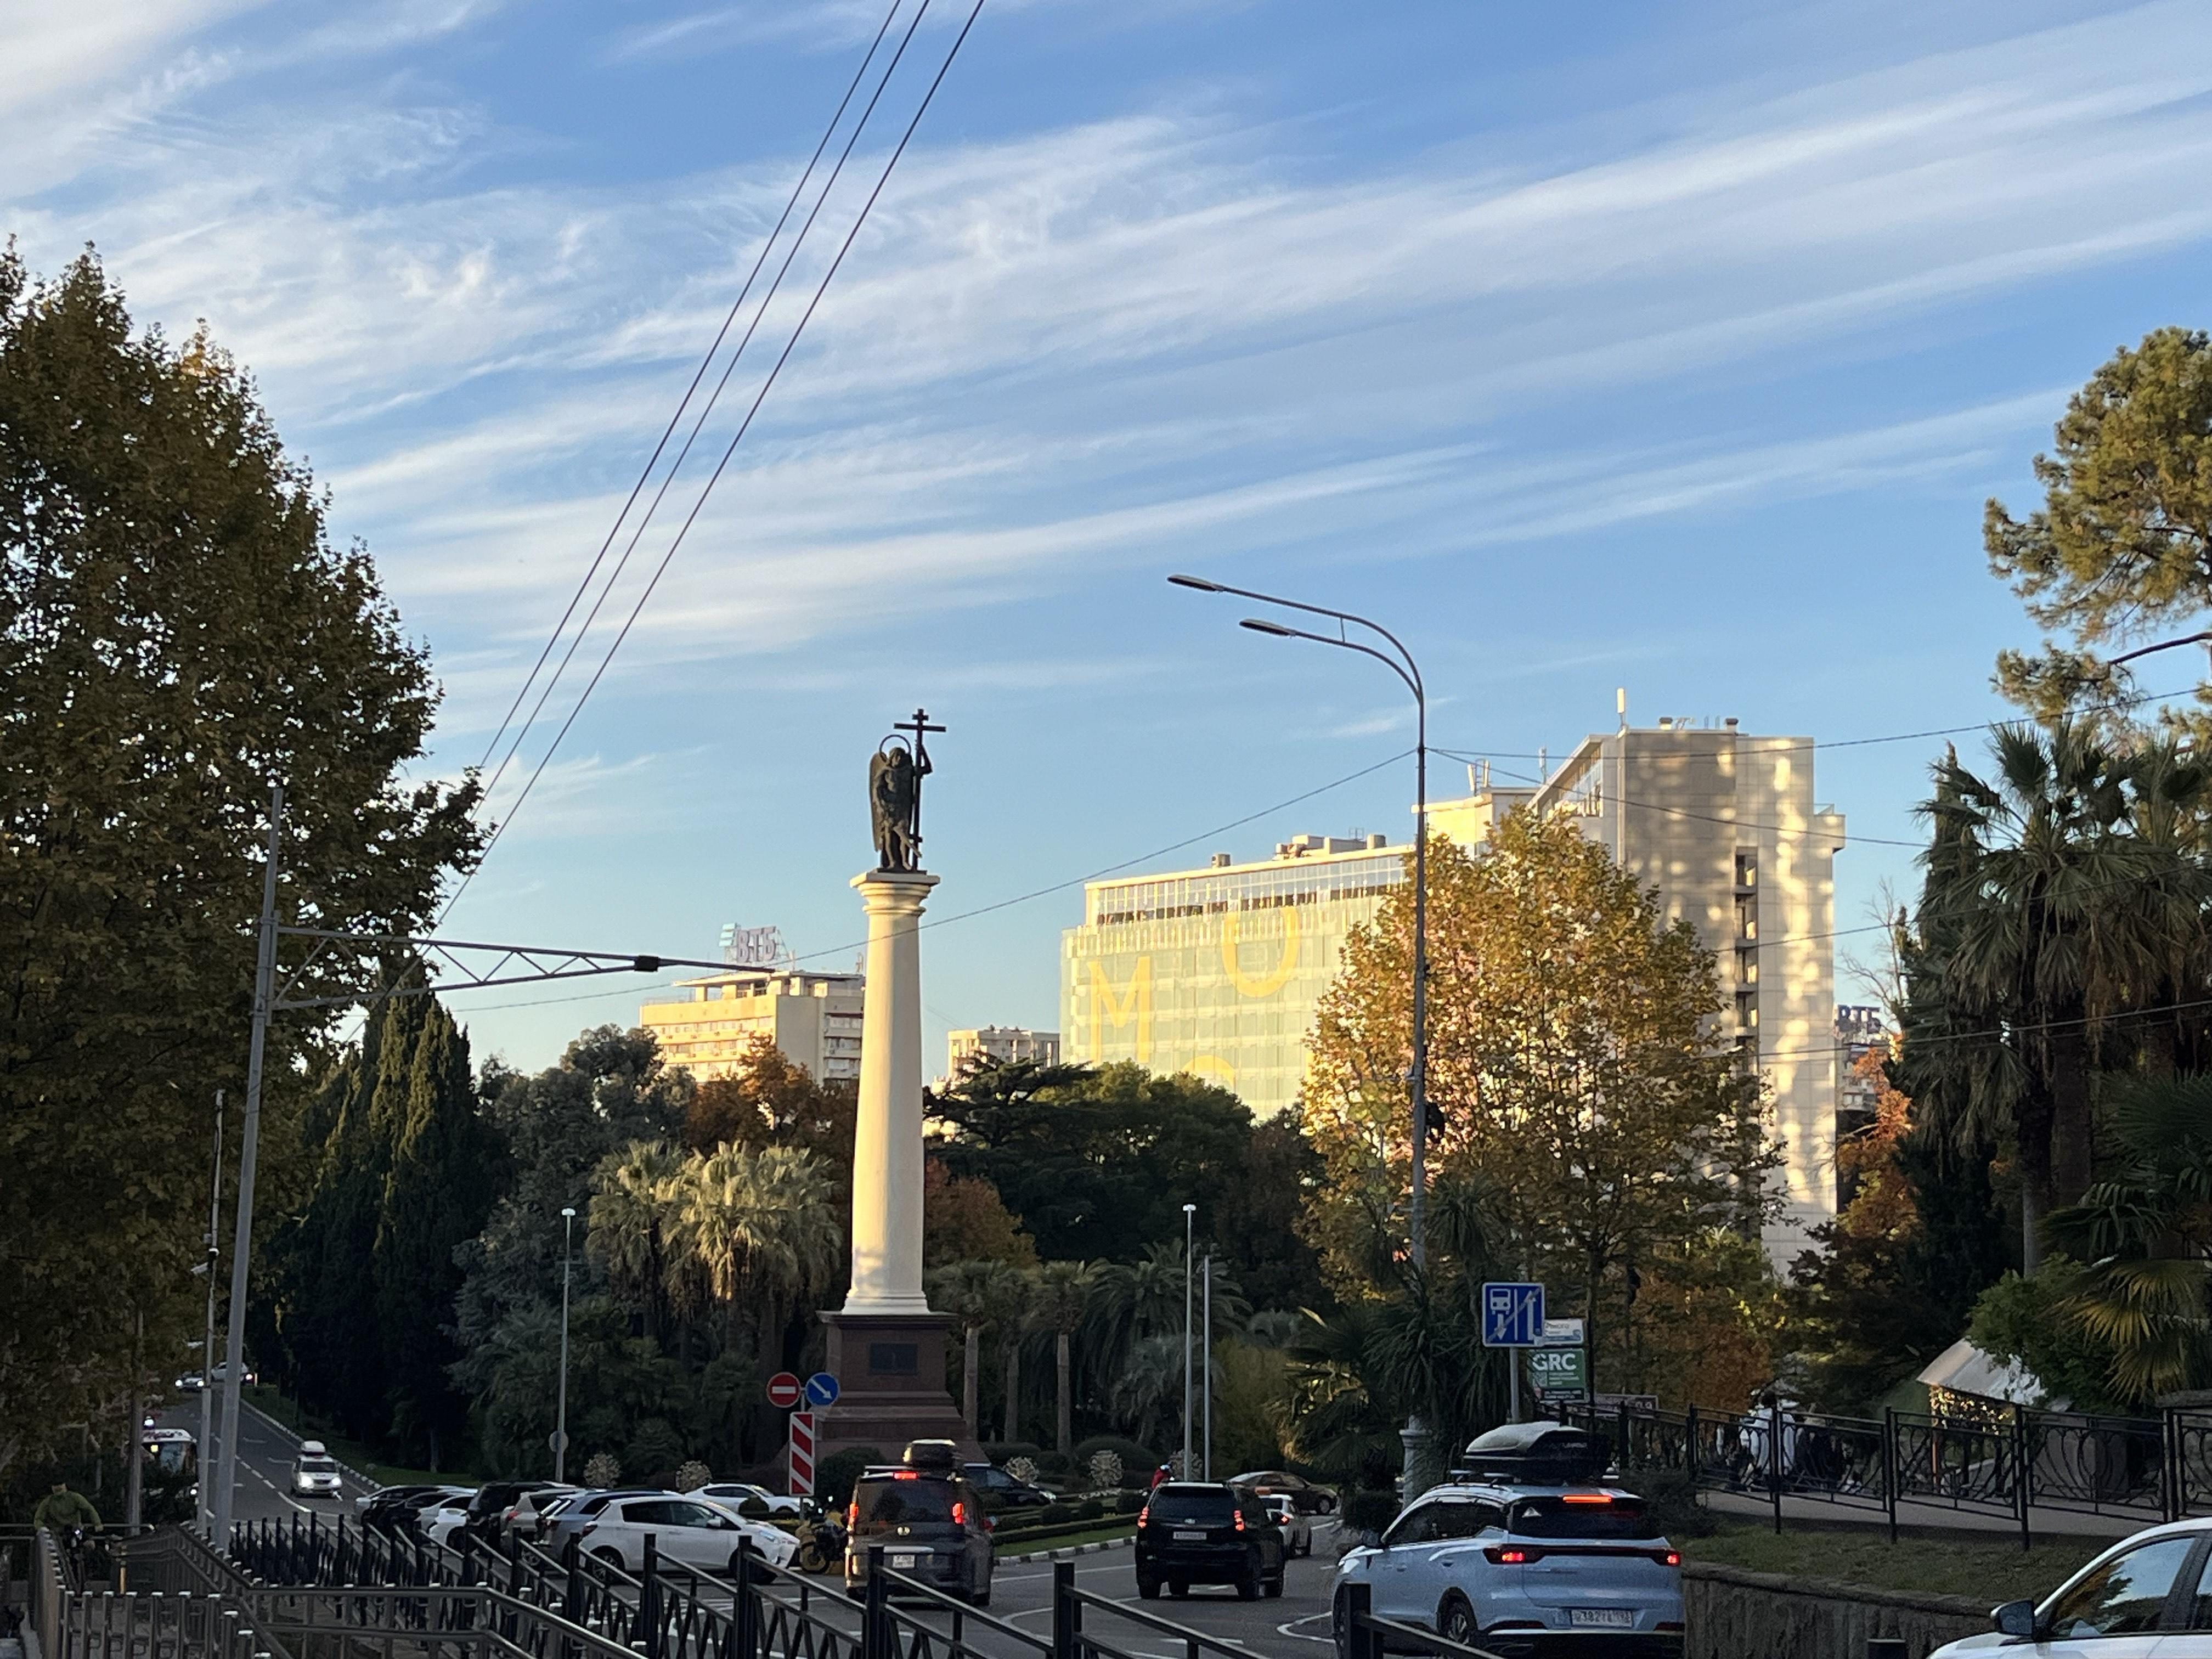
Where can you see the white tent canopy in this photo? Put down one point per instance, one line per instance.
(1962, 1368)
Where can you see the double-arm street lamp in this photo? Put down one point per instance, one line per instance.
(561, 1412)
(1399, 661)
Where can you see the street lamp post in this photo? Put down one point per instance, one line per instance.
(203, 1512)
(1419, 1474)
(561, 1414)
(1189, 1220)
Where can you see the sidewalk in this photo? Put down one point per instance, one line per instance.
(2042, 1523)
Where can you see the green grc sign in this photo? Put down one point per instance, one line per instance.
(1559, 1373)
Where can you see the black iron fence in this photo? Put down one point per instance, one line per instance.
(2006, 1462)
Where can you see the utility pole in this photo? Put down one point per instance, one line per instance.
(1189, 1215)
(242, 1248)
(203, 1512)
(134, 1471)
(561, 1416)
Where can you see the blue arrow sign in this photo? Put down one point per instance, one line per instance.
(822, 1388)
(1512, 1316)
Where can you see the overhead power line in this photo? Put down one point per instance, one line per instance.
(744, 426)
(677, 416)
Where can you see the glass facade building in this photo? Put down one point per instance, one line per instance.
(1218, 971)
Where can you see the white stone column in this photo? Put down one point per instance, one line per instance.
(887, 1135)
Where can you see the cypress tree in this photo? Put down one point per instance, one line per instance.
(437, 1194)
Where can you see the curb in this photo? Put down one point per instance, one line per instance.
(292, 1435)
(1070, 1551)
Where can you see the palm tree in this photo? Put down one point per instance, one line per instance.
(761, 1227)
(977, 1295)
(635, 1213)
(2146, 1234)
(1060, 1297)
(2057, 917)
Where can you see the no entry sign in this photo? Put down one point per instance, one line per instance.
(783, 1391)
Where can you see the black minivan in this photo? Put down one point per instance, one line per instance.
(1195, 1532)
(927, 1520)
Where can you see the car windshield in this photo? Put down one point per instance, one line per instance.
(318, 1465)
(897, 1503)
(1578, 1515)
(1210, 1505)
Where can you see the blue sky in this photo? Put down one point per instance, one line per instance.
(1674, 346)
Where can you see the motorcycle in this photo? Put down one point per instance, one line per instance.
(821, 1536)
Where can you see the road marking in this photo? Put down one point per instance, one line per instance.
(1292, 1631)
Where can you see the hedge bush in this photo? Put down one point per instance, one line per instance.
(1138, 1462)
(1056, 1514)
(1670, 1499)
(1370, 1511)
(1127, 1503)
(833, 1475)
(998, 1451)
(1090, 1508)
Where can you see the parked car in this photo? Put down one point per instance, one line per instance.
(2149, 1593)
(1002, 1491)
(1297, 1529)
(1281, 1483)
(749, 1499)
(1208, 1532)
(441, 1523)
(694, 1531)
(493, 1501)
(1515, 1569)
(315, 1472)
(778, 1547)
(928, 1520)
(524, 1516)
(394, 1511)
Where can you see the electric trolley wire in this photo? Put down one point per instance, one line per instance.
(744, 427)
(1033, 893)
(736, 356)
(698, 375)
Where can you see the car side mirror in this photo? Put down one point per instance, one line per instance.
(2013, 1618)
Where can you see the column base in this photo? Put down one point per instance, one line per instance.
(889, 1369)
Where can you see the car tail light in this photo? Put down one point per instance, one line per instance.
(1511, 1555)
(1239, 1519)
(1670, 1557)
(1145, 1517)
(853, 1513)
(1586, 1498)
(959, 1513)
(908, 1474)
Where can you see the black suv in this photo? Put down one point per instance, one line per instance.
(1003, 1491)
(927, 1520)
(1207, 1533)
(488, 1509)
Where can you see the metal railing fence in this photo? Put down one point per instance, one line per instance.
(2007, 1462)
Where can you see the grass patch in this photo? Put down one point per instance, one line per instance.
(1988, 1570)
(352, 1453)
(1097, 1532)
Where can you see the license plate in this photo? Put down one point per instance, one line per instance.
(1601, 1617)
(905, 1560)
(1190, 1538)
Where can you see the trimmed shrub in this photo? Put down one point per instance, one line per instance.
(833, 1475)
(1670, 1498)
(1370, 1511)
(1127, 1503)
(1003, 1452)
(1090, 1508)
(1137, 1462)
(1056, 1514)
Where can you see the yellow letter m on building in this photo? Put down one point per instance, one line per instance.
(1134, 1005)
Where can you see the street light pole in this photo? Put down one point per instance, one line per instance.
(242, 1248)
(1419, 1474)
(1206, 1456)
(560, 1418)
(207, 1265)
(1189, 1218)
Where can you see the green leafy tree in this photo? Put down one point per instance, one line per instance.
(635, 1220)
(177, 632)
(976, 1296)
(2122, 548)
(1573, 1060)
(437, 1193)
(761, 1228)
(1060, 1297)
(1097, 1163)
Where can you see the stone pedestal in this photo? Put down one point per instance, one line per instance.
(886, 1348)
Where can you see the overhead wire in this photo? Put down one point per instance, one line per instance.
(677, 416)
(707, 409)
(744, 427)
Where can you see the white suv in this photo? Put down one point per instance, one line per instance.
(2150, 1595)
(1508, 1568)
(699, 1534)
(315, 1472)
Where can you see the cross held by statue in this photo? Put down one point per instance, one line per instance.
(894, 776)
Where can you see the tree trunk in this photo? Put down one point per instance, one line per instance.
(969, 1354)
(2072, 1133)
(1064, 1415)
(1014, 1380)
(2033, 1123)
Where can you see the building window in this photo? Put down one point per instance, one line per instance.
(1746, 869)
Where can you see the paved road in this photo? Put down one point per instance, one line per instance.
(262, 1487)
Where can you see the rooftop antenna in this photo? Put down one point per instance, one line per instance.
(1543, 765)
(1621, 705)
